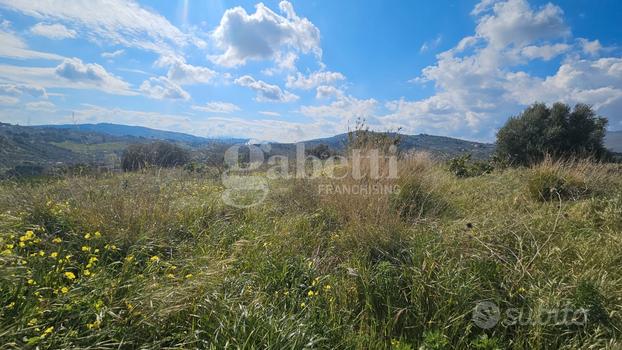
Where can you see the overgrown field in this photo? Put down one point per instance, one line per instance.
(156, 260)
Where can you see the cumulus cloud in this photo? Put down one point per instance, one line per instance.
(17, 90)
(163, 88)
(186, 74)
(53, 31)
(313, 80)
(264, 35)
(111, 21)
(327, 91)
(479, 83)
(217, 107)
(265, 92)
(73, 69)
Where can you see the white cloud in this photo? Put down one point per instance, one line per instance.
(108, 21)
(592, 48)
(41, 106)
(8, 100)
(186, 74)
(545, 52)
(270, 113)
(113, 54)
(515, 22)
(17, 90)
(266, 92)
(12, 46)
(313, 80)
(53, 31)
(217, 107)
(326, 91)
(163, 88)
(264, 35)
(479, 83)
(431, 44)
(74, 70)
(344, 108)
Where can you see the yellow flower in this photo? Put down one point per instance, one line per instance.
(48, 331)
(303, 304)
(53, 254)
(64, 290)
(327, 287)
(86, 248)
(189, 275)
(22, 244)
(57, 240)
(10, 246)
(94, 325)
(70, 275)
(11, 305)
(129, 258)
(96, 251)
(311, 293)
(7, 252)
(97, 234)
(32, 282)
(41, 253)
(32, 322)
(87, 236)
(87, 273)
(170, 275)
(154, 259)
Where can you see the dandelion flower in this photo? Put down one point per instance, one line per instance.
(53, 254)
(154, 259)
(64, 290)
(70, 275)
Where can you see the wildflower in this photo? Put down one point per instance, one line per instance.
(7, 252)
(99, 304)
(129, 258)
(11, 305)
(57, 240)
(312, 293)
(170, 275)
(10, 246)
(154, 259)
(64, 290)
(86, 248)
(315, 281)
(86, 273)
(22, 244)
(87, 236)
(94, 325)
(303, 304)
(53, 254)
(96, 251)
(32, 322)
(327, 287)
(41, 253)
(189, 275)
(70, 275)
(97, 234)
(521, 290)
(32, 282)
(47, 331)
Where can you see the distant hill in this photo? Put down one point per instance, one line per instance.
(140, 131)
(438, 145)
(613, 141)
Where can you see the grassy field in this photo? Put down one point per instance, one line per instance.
(156, 260)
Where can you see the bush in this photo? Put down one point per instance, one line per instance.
(161, 154)
(463, 166)
(415, 200)
(557, 131)
(550, 185)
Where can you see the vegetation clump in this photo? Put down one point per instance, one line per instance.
(158, 154)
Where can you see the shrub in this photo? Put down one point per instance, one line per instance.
(557, 131)
(161, 154)
(415, 200)
(321, 151)
(550, 185)
(463, 166)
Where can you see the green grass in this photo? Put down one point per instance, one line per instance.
(176, 268)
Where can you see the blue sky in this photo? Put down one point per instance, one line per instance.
(290, 71)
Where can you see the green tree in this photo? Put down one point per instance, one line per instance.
(557, 131)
